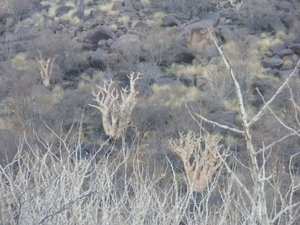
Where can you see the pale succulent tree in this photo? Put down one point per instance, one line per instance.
(116, 105)
(201, 157)
(45, 67)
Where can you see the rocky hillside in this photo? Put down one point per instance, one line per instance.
(149, 112)
(54, 52)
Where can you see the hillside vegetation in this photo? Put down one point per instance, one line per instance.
(149, 112)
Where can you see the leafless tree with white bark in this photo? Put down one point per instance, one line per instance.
(257, 196)
(46, 68)
(116, 106)
(200, 156)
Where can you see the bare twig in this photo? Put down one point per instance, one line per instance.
(280, 89)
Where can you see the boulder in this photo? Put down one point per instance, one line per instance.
(128, 45)
(272, 63)
(209, 52)
(99, 33)
(200, 81)
(213, 17)
(89, 24)
(289, 20)
(170, 20)
(286, 6)
(197, 35)
(229, 14)
(103, 60)
(97, 14)
(277, 25)
(78, 14)
(62, 10)
(138, 6)
(288, 63)
(283, 74)
(228, 34)
(285, 52)
(177, 53)
(181, 55)
(295, 48)
(275, 48)
(187, 80)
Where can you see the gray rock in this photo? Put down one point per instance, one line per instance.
(176, 54)
(289, 20)
(288, 62)
(200, 81)
(102, 43)
(128, 45)
(197, 36)
(97, 14)
(170, 20)
(181, 54)
(269, 54)
(228, 34)
(62, 10)
(214, 17)
(295, 48)
(295, 57)
(99, 33)
(286, 6)
(229, 14)
(138, 6)
(285, 52)
(131, 15)
(209, 52)
(275, 48)
(277, 25)
(272, 63)
(79, 14)
(87, 46)
(103, 60)
(89, 24)
(187, 80)
(109, 42)
(127, 3)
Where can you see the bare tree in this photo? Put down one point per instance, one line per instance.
(258, 199)
(116, 106)
(46, 67)
(200, 162)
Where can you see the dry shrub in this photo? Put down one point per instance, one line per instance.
(19, 8)
(159, 43)
(54, 182)
(59, 46)
(69, 187)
